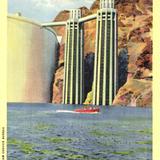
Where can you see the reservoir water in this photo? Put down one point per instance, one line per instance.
(39, 132)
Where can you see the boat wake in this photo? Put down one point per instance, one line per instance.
(65, 111)
(68, 111)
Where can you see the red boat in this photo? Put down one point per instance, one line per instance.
(88, 109)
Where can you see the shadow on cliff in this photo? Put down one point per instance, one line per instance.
(56, 67)
(122, 67)
(88, 73)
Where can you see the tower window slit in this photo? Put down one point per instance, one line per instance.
(108, 61)
(102, 60)
(113, 57)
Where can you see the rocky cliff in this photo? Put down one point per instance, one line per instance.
(134, 50)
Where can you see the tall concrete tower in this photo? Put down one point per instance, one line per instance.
(73, 60)
(105, 66)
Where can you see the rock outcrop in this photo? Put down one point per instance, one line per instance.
(134, 36)
(135, 93)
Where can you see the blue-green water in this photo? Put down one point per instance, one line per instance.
(38, 132)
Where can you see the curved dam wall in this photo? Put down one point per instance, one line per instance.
(31, 61)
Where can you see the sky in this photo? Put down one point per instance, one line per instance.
(44, 10)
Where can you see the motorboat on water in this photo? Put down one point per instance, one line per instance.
(88, 109)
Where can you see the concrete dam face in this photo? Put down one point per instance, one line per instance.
(31, 61)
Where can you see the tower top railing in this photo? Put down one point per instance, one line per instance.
(106, 4)
(75, 14)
